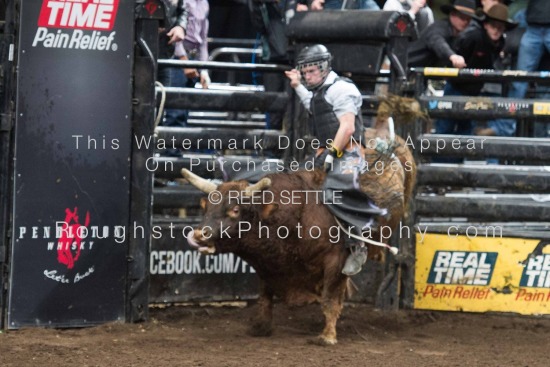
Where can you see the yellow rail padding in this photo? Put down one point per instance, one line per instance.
(541, 108)
(441, 71)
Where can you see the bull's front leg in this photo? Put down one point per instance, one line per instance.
(262, 324)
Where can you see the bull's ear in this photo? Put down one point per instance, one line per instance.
(203, 203)
(268, 209)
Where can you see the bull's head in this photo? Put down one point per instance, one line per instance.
(230, 212)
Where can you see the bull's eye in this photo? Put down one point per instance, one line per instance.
(233, 212)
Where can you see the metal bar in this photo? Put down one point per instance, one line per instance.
(170, 167)
(486, 75)
(538, 197)
(219, 100)
(485, 108)
(231, 41)
(220, 65)
(524, 149)
(481, 209)
(177, 197)
(226, 123)
(220, 139)
(540, 230)
(233, 50)
(209, 166)
(141, 187)
(509, 178)
(7, 98)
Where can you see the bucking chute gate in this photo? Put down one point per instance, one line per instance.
(78, 93)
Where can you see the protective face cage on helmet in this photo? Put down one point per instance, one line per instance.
(322, 64)
(324, 69)
(315, 55)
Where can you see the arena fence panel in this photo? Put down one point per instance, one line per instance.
(7, 40)
(482, 229)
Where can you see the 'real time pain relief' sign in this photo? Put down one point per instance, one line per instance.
(482, 274)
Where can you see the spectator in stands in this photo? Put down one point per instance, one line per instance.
(419, 11)
(175, 25)
(502, 127)
(195, 44)
(344, 4)
(517, 12)
(334, 104)
(481, 46)
(434, 46)
(534, 43)
(497, 127)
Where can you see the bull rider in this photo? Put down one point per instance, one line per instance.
(334, 106)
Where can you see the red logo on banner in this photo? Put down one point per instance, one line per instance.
(68, 246)
(97, 15)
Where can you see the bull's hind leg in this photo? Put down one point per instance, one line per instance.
(262, 324)
(332, 303)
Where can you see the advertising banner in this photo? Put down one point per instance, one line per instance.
(481, 274)
(182, 274)
(72, 168)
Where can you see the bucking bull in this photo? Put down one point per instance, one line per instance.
(302, 263)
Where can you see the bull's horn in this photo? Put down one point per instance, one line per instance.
(264, 183)
(199, 182)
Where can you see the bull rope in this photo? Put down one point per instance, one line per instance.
(392, 249)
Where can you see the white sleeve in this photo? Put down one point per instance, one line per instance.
(304, 95)
(393, 5)
(344, 98)
(396, 5)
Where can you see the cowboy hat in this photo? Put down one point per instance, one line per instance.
(466, 7)
(499, 13)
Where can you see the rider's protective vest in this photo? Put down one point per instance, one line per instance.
(324, 124)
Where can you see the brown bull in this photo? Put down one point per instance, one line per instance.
(282, 228)
(300, 268)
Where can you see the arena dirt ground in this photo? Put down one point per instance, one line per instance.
(217, 336)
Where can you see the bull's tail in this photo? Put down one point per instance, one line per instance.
(404, 110)
(399, 111)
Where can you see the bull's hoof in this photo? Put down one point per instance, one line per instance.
(322, 341)
(260, 329)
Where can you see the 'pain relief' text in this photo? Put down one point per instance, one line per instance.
(462, 267)
(458, 292)
(74, 39)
